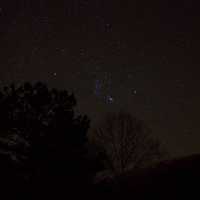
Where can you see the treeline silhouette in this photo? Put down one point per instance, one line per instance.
(47, 153)
(43, 142)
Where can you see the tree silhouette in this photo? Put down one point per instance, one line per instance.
(124, 143)
(40, 132)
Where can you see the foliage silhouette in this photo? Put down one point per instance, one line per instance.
(43, 138)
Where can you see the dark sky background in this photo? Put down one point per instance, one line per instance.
(135, 55)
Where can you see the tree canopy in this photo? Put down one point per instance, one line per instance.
(41, 133)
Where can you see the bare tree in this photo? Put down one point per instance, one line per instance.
(125, 143)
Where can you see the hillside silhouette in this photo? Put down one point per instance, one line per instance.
(170, 179)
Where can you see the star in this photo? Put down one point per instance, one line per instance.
(134, 92)
(109, 99)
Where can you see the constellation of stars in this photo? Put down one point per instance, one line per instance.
(103, 89)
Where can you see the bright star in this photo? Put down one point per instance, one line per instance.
(109, 99)
(134, 91)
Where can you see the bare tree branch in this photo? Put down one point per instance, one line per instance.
(126, 142)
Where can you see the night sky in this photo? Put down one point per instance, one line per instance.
(134, 55)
